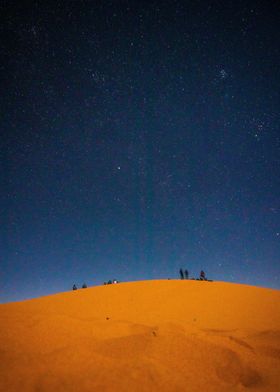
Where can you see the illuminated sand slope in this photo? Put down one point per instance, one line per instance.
(166, 335)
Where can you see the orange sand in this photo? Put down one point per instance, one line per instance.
(166, 335)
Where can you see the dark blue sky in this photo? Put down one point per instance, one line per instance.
(139, 137)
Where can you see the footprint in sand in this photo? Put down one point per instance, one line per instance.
(231, 370)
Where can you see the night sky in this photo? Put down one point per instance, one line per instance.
(138, 138)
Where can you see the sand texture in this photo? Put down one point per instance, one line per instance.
(166, 335)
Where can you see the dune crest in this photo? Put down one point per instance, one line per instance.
(163, 335)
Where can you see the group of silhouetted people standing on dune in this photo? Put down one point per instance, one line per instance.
(112, 282)
(84, 286)
(185, 274)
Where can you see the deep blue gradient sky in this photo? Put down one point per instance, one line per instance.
(139, 137)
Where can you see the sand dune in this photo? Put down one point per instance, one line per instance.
(163, 335)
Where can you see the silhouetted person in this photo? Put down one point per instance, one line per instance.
(202, 275)
(74, 287)
(84, 286)
(186, 274)
(109, 282)
(181, 273)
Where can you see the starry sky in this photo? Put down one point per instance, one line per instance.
(138, 138)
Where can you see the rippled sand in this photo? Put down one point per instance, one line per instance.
(167, 335)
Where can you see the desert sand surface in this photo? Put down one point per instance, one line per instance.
(164, 335)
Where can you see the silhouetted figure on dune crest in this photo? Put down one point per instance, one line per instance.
(74, 287)
(202, 275)
(181, 273)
